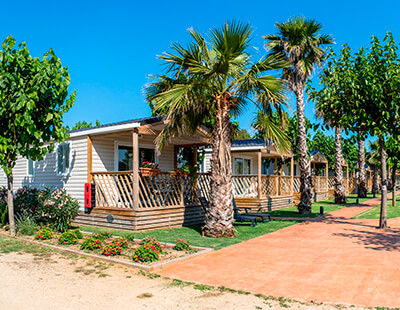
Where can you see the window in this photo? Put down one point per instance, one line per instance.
(31, 167)
(146, 155)
(242, 166)
(125, 157)
(63, 158)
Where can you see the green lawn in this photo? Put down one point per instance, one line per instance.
(328, 205)
(374, 213)
(244, 232)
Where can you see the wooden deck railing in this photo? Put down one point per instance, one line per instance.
(116, 189)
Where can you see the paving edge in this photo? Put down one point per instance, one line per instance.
(201, 251)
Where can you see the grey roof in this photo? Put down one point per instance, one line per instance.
(316, 151)
(252, 142)
(142, 121)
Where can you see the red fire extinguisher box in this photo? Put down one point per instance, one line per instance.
(89, 196)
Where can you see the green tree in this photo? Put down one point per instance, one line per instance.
(393, 152)
(374, 162)
(82, 125)
(212, 81)
(378, 113)
(242, 134)
(299, 41)
(33, 96)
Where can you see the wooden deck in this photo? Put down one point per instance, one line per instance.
(170, 200)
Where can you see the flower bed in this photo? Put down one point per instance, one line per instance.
(147, 251)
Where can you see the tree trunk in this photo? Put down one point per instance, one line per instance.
(304, 206)
(10, 203)
(362, 185)
(375, 186)
(394, 185)
(219, 216)
(340, 196)
(383, 217)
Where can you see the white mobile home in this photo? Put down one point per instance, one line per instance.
(109, 157)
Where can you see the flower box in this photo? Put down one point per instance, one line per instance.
(150, 172)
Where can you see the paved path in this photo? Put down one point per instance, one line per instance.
(330, 259)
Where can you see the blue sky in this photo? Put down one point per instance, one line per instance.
(111, 48)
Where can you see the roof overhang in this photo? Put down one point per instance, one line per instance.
(104, 130)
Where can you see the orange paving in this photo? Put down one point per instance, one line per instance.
(330, 259)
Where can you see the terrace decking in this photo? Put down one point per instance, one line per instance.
(171, 200)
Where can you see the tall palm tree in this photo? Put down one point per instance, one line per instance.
(362, 178)
(299, 41)
(213, 81)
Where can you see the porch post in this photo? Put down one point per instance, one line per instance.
(135, 155)
(194, 155)
(276, 177)
(89, 159)
(259, 180)
(326, 176)
(291, 174)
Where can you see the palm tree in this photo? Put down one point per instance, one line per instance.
(299, 41)
(214, 81)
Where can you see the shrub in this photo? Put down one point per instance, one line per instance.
(58, 209)
(112, 250)
(91, 243)
(69, 237)
(26, 226)
(103, 235)
(182, 245)
(44, 233)
(146, 253)
(152, 241)
(121, 242)
(129, 236)
(78, 233)
(3, 214)
(26, 202)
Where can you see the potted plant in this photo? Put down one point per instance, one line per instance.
(148, 169)
(187, 170)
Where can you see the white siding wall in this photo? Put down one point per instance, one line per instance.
(249, 155)
(105, 151)
(46, 171)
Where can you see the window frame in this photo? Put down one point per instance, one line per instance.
(69, 159)
(242, 157)
(33, 167)
(117, 144)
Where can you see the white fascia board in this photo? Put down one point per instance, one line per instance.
(103, 130)
(241, 148)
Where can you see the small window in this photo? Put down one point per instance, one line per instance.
(125, 158)
(242, 166)
(63, 158)
(31, 167)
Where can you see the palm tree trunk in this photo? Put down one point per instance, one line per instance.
(375, 185)
(304, 206)
(219, 215)
(383, 216)
(340, 196)
(362, 185)
(10, 203)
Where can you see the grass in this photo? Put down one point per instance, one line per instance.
(9, 245)
(374, 213)
(169, 235)
(244, 231)
(328, 205)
